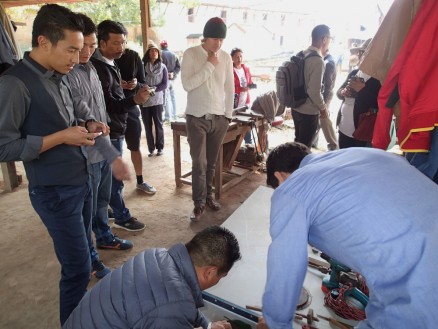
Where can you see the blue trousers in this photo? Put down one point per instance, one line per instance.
(170, 103)
(101, 177)
(61, 208)
(117, 204)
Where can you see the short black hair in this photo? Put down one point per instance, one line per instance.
(106, 27)
(236, 50)
(284, 158)
(89, 26)
(214, 246)
(319, 32)
(52, 20)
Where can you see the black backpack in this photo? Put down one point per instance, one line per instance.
(291, 88)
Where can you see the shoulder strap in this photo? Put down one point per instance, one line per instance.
(312, 53)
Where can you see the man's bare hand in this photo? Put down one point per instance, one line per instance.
(212, 58)
(120, 169)
(356, 84)
(261, 324)
(224, 324)
(345, 92)
(78, 136)
(124, 84)
(130, 85)
(98, 127)
(142, 95)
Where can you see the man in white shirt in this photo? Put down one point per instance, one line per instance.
(207, 77)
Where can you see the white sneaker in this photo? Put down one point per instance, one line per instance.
(145, 187)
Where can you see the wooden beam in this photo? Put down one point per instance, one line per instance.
(145, 22)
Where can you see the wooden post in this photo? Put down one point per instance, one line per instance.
(145, 22)
(10, 177)
(177, 157)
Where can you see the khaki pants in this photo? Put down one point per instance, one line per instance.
(329, 133)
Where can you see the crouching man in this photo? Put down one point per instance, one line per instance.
(160, 288)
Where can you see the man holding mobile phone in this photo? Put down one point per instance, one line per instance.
(111, 38)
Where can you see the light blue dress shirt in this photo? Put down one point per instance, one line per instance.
(373, 212)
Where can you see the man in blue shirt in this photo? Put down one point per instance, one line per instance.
(360, 206)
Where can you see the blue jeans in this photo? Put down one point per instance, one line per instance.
(60, 208)
(170, 97)
(100, 174)
(117, 204)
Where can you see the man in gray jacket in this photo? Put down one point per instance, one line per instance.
(88, 98)
(160, 288)
(306, 116)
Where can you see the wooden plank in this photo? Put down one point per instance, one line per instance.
(236, 180)
(226, 158)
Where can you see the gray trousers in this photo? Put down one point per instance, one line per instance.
(205, 139)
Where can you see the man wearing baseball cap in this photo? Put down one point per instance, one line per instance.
(207, 76)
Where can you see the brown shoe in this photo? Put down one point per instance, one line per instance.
(213, 204)
(197, 213)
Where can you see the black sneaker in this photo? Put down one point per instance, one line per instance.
(132, 225)
(116, 243)
(99, 270)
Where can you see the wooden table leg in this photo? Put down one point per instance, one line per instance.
(10, 177)
(218, 173)
(177, 158)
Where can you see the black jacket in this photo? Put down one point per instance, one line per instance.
(365, 98)
(131, 67)
(117, 105)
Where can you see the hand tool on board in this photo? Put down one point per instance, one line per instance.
(335, 322)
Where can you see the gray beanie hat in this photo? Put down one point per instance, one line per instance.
(215, 28)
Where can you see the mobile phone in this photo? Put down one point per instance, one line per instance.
(252, 86)
(356, 78)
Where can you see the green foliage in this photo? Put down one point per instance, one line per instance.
(21, 14)
(126, 11)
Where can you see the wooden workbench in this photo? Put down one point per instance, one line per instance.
(227, 154)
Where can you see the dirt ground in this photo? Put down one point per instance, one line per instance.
(29, 272)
